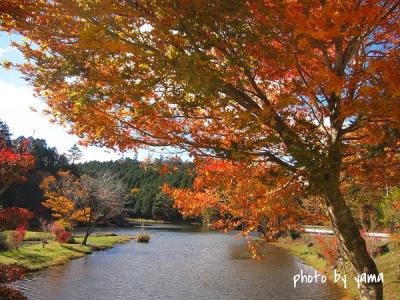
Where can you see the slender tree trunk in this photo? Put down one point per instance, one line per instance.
(88, 232)
(353, 243)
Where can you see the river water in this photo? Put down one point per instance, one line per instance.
(179, 262)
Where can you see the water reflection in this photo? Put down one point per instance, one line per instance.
(180, 262)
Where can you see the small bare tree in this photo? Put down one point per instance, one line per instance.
(103, 200)
(88, 200)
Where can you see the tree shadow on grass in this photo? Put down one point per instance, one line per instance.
(75, 249)
(32, 258)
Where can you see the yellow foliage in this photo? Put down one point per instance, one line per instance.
(62, 208)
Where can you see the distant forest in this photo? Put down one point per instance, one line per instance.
(145, 199)
(142, 180)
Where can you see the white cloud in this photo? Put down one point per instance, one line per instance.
(15, 110)
(4, 51)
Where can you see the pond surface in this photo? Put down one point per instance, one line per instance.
(179, 262)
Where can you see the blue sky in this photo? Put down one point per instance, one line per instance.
(16, 101)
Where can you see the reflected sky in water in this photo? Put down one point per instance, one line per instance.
(180, 262)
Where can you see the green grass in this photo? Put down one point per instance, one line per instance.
(35, 235)
(104, 242)
(38, 236)
(387, 264)
(34, 257)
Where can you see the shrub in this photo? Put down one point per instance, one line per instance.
(62, 236)
(13, 240)
(10, 273)
(294, 234)
(143, 237)
(9, 293)
(383, 249)
(16, 237)
(21, 230)
(328, 248)
(12, 217)
(20, 233)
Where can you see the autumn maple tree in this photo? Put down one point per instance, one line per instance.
(307, 87)
(15, 160)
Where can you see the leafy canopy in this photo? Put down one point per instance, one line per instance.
(277, 81)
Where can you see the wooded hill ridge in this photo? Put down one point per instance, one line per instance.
(143, 181)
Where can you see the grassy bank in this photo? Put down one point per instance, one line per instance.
(387, 264)
(33, 256)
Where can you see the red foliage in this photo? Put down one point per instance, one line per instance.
(14, 163)
(9, 293)
(328, 247)
(10, 273)
(250, 196)
(397, 205)
(167, 168)
(21, 231)
(19, 235)
(12, 217)
(62, 236)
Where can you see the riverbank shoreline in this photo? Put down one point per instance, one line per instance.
(386, 263)
(34, 257)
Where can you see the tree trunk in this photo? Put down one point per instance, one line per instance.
(88, 232)
(351, 240)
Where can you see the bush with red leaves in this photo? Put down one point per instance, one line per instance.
(10, 273)
(328, 247)
(21, 230)
(17, 237)
(12, 217)
(62, 236)
(9, 293)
